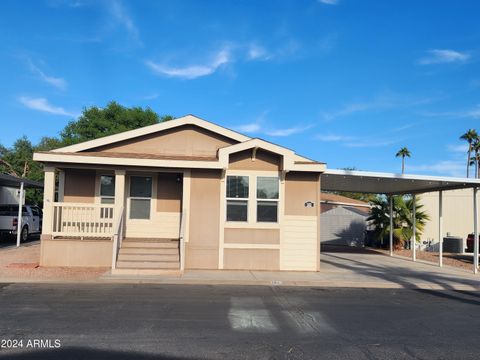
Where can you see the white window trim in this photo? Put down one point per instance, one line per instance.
(252, 200)
(153, 184)
(247, 199)
(277, 200)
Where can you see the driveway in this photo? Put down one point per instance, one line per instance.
(107, 321)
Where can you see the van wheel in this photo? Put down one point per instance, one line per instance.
(24, 234)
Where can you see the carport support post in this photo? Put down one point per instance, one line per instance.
(475, 232)
(391, 225)
(20, 213)
(414, 229)
(440, 228)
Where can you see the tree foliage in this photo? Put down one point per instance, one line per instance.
(94, 122)
(402, 218)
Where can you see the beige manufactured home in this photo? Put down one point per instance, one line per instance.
(183, 194)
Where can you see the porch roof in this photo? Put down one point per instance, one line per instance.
(390, 183)
(15, 182)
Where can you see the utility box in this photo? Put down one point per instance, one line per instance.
(453, 244)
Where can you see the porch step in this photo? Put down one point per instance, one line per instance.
(150, 243)
(149, 257)
(148, 264)
(150, 251)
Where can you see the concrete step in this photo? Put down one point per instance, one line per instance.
(149, 257)
(148, 265)
(150, 251)
(123, 274)
(150, 244)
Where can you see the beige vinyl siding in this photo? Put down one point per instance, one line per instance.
(251, 259)
(299, 243)
(161, 225)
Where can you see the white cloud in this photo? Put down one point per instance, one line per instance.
(333, 138)
(57, 82)
(122, 16)
(384, 101)
(42, 104)
(446, 167)
(444, 56)
(287, 131)
(249, 128)
(257, 52)
(328, 2)
(469, 113)
(222, 57)
(460, 148)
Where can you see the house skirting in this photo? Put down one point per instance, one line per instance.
(75, 252)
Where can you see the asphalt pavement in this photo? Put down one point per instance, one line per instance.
(140, 321)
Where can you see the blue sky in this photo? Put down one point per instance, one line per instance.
(347, 82)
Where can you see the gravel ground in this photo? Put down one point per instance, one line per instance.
(449, 259)
(22, 263)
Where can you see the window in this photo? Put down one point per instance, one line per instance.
(267, 199)
(140, 197)
(237, 198)
(107, 189)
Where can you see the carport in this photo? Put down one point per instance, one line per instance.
(21, 184)
(391, 184)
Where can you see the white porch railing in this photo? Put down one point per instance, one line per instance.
(117, 238)
(182, 240)
(82, 220)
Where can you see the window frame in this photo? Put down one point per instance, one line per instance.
(252, 200)
(100, 196)
(227, 199)
(140, 198)
(257, 199)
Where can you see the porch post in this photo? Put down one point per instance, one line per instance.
(119, 193)
(440, 228)
(414, 237)
(391, 225)
(61, 185)
(48, 200)
(475, 232)
(20, 214)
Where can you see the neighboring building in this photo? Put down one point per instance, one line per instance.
(343, 220)
(183, 194)
(10, 188)
(457, 214)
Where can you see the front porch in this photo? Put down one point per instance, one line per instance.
(126, 219)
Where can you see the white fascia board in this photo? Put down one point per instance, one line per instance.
(126, 135)
(100, 160)
(403, 177)
(309, 167)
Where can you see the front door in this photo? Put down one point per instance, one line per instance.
(139, 205)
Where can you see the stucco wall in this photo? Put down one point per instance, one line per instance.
(79, 186)
(169, 192)
(88, 253)
(457, 213)
(202, 247)
(188, 140)
(264, 160)
(300, 188)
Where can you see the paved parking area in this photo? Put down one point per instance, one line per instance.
(151, 321)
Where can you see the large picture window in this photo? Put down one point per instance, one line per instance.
(237, 198)
(140, 197)
(267, 199)
(107, 189)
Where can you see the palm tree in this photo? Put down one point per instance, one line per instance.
(402, 219)
(476, 157)
(471, 137)
(403, 152)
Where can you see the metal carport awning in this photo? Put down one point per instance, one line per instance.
(400, 184)
(389, 183)
(21, 183)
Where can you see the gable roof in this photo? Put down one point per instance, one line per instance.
(78, 153)
(146, 130)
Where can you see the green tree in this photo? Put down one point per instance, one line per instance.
(97, 122)
(403, 152)
(94, 122)
(472, 138)
(402, 219)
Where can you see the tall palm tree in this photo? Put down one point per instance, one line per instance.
(476, 156)
(403, 152)
(471, 137)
